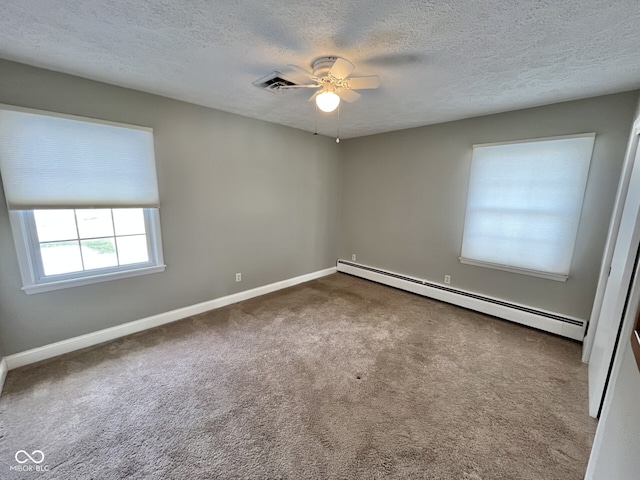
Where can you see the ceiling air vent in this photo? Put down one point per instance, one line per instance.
(273, 82)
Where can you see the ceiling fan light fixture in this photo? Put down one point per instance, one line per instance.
(327, 101)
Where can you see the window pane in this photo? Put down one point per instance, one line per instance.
(60, 257)
(53, 225)
(94, 223)
(99, 253)
(129, 221)
(133, 249)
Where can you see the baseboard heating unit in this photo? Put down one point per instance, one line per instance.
(565, 326)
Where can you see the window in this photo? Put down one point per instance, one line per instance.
(524, 204)
(82, 197)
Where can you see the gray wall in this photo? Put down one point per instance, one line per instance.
(237, 195)
(404, 197)
(240, 195)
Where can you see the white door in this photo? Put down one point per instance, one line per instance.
(616, 292)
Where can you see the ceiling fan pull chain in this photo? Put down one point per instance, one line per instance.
(315, 132)
(338, 129)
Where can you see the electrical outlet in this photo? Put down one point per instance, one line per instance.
(447, 279)
(353, 257)
(238, 277)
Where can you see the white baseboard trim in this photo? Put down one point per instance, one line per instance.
(76, 343)
(3, 372)
(563, 325)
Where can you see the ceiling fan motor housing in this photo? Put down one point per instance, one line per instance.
(322, 65)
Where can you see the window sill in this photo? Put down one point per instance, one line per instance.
(523, 271)
(77, 282)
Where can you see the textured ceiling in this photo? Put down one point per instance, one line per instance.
(437, 61)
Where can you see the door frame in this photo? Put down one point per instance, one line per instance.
(612, 237)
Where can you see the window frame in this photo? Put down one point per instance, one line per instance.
(30, 263)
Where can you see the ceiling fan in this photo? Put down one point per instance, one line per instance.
(331, 79)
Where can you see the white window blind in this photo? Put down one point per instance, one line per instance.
(59, 161)
(524, 204)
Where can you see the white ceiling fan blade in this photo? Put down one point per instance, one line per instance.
(302, 71)
(349, 95)
(361, 83)
(342, 68)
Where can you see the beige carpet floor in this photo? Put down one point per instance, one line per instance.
(338, 378)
